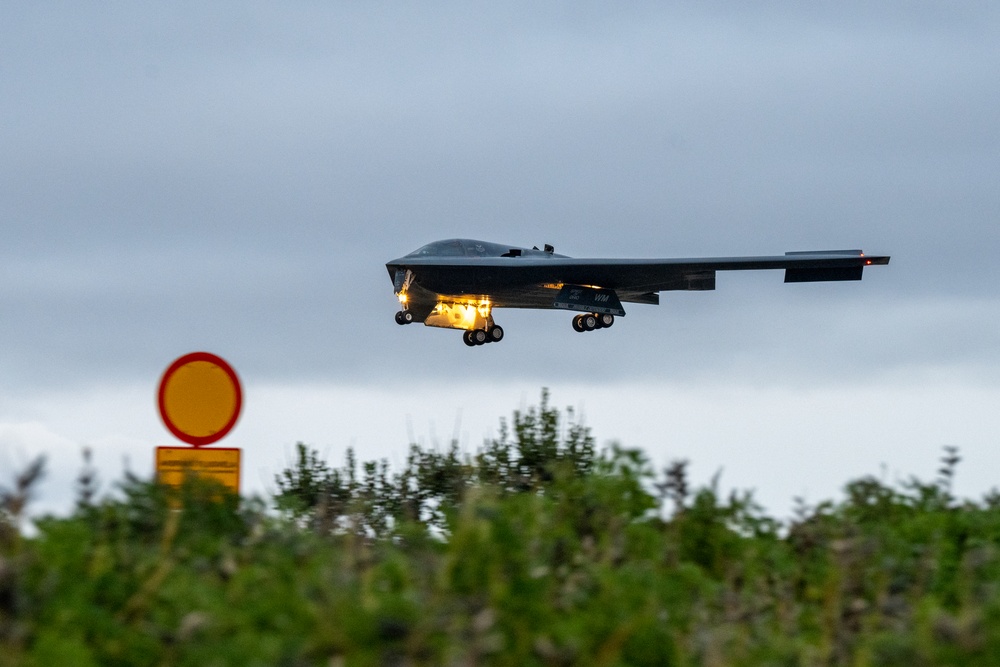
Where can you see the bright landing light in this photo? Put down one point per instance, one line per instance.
(459, 315)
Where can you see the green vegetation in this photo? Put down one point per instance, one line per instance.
(537, 550)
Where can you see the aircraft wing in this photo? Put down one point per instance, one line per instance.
(633, 279)
(456, 283)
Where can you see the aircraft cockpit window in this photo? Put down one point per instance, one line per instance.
(475, 249)
(464, 248)
(453, 248)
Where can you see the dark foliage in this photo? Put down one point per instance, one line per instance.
(433, 484)
(535, 550)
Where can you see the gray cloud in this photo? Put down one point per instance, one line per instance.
(235, 176)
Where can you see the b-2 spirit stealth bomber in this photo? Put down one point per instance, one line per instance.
(457, 283)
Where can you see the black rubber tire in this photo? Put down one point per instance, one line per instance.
(496, 334)
(467, 339)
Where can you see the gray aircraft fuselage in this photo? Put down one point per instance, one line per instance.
(457, 283)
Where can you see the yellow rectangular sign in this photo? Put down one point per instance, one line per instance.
(219, 463)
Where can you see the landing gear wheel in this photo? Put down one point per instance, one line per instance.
(478, 336)
(605, 321)
(399, 318)
(495, 334)
(578, 323)
(467, 339)
(404, 317)
(589, 322)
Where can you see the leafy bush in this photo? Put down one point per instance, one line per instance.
(536, 550)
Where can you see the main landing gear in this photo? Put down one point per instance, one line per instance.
(591, 321)
(473, 337)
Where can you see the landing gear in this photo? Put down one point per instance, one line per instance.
(474, 337)
(592, 321)
(404, 317)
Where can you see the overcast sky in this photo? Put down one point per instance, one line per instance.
(233, 178)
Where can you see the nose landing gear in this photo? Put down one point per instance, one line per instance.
(592, 321)
(404, 317)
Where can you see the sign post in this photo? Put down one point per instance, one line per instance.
(199, 400)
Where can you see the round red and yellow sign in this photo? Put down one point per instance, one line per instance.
(200, 398)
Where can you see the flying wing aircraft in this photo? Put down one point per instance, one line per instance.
(457, 283)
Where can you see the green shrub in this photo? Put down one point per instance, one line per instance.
(536, 550)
